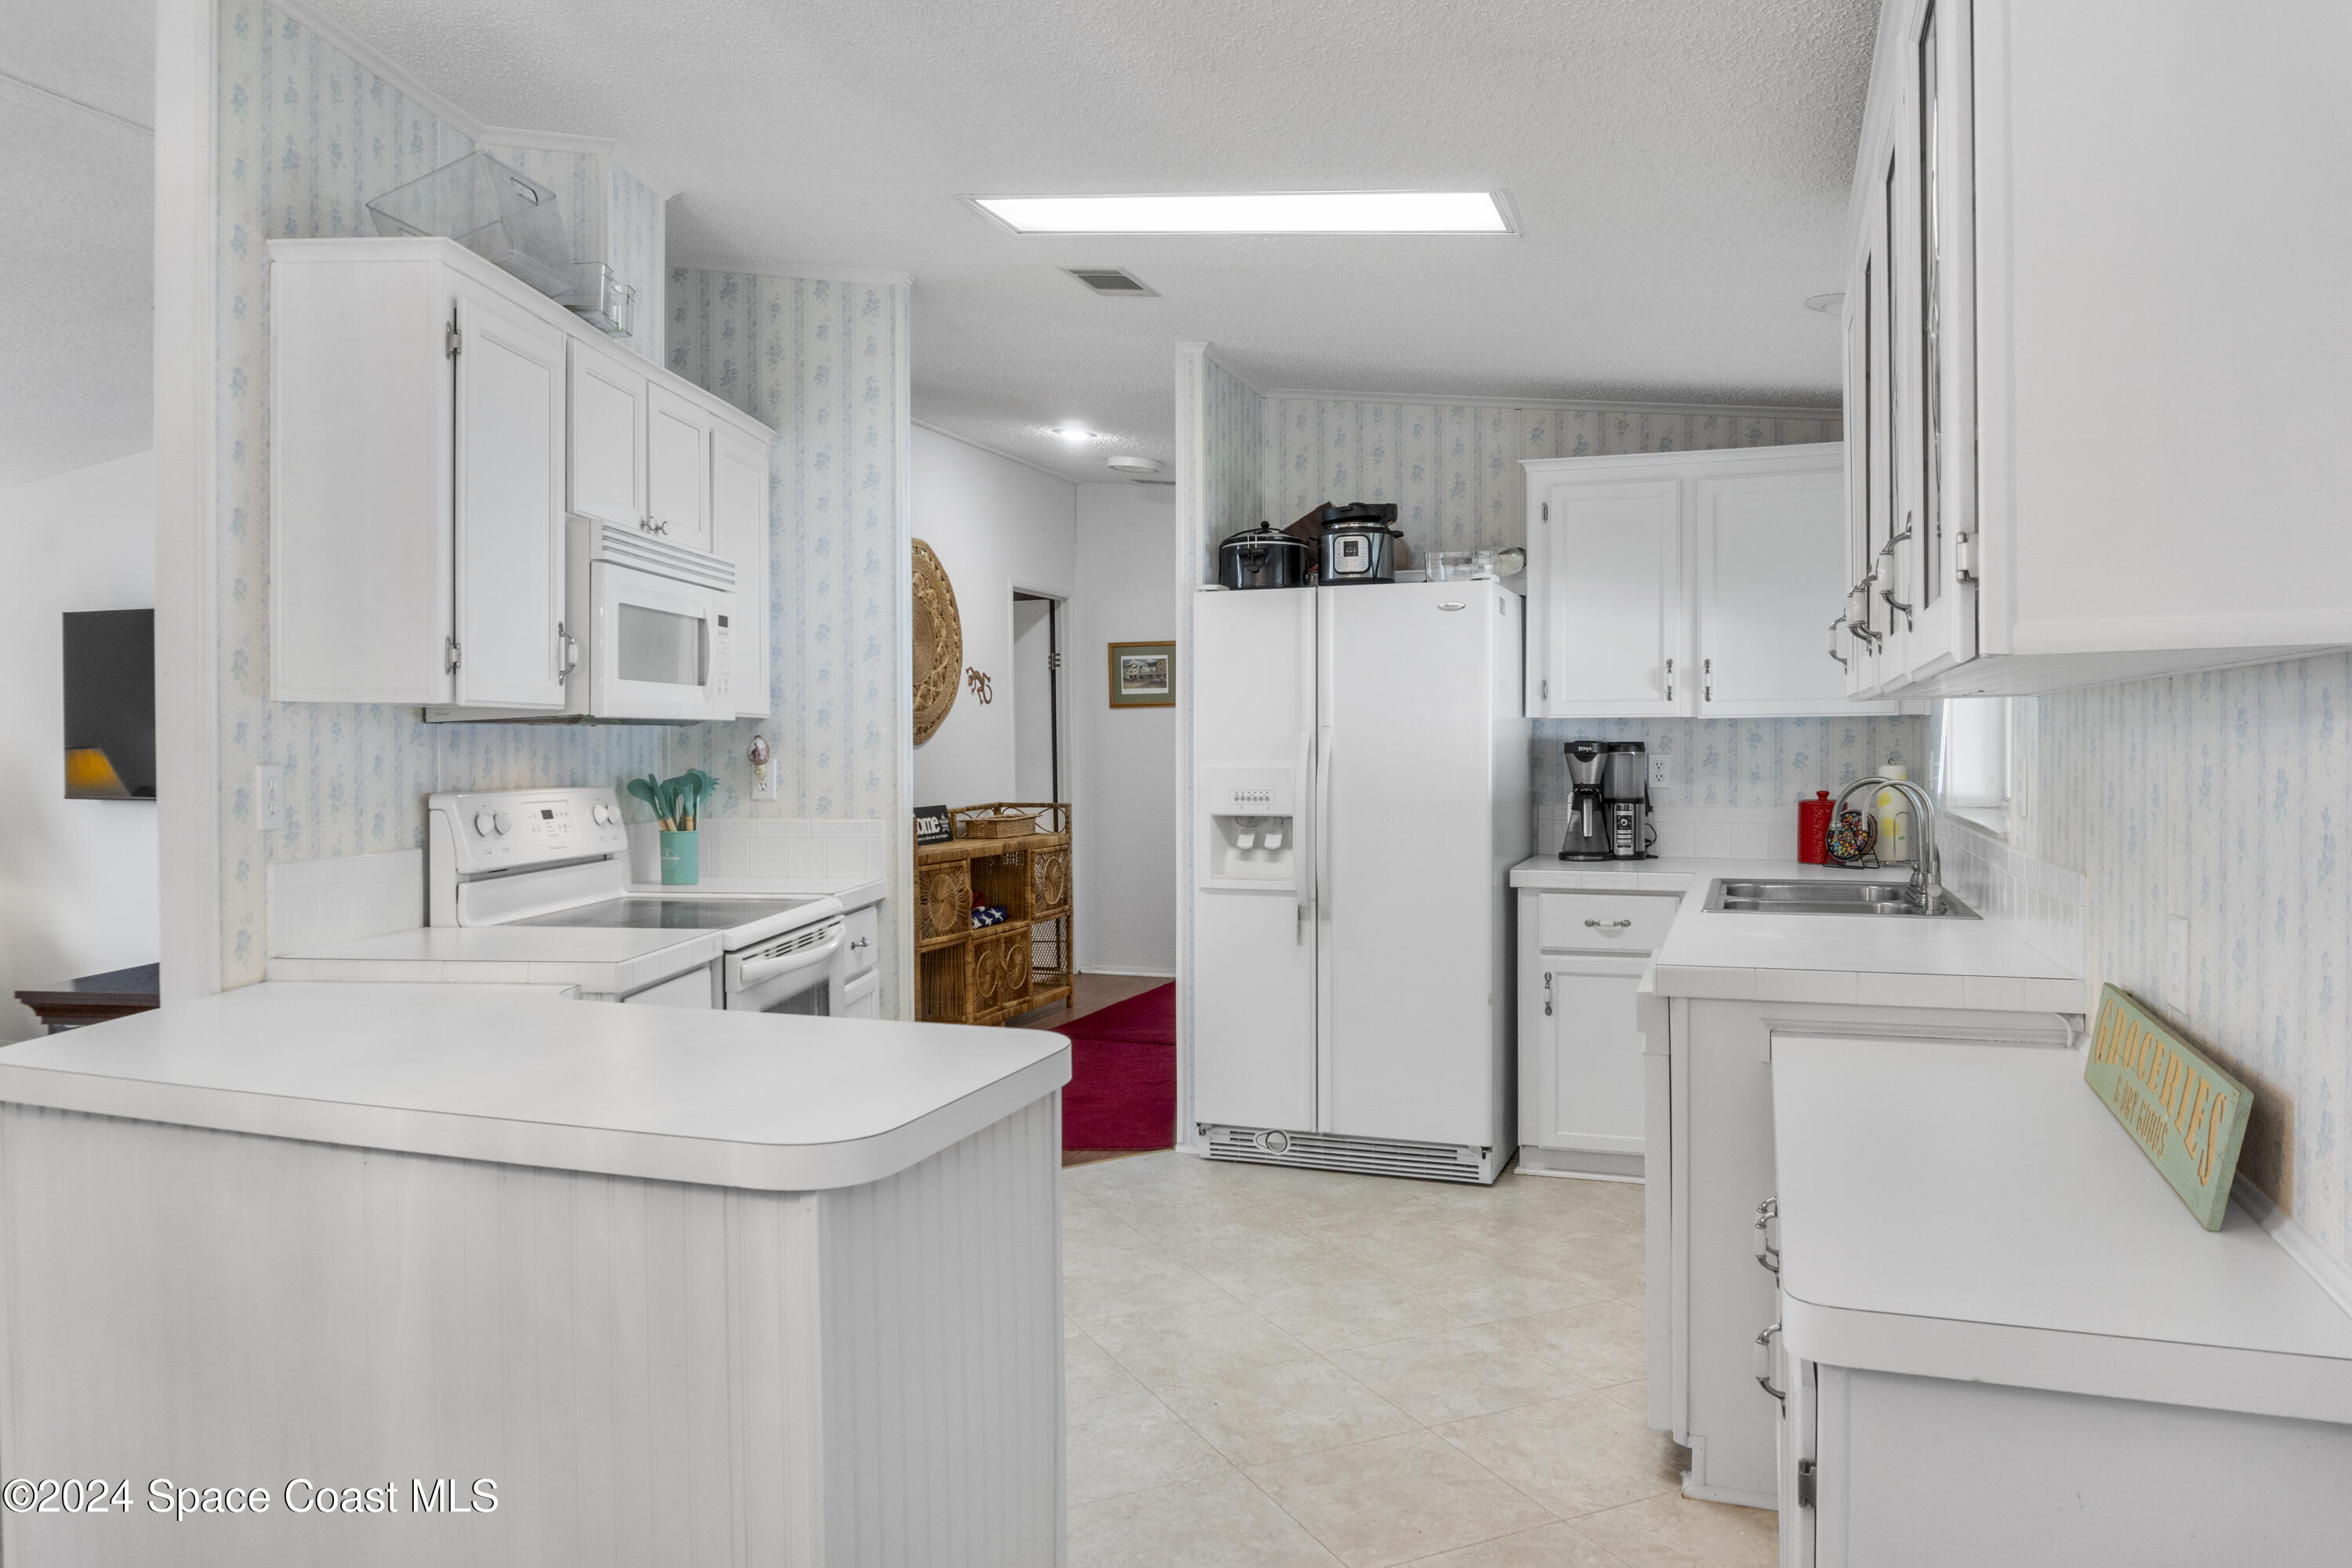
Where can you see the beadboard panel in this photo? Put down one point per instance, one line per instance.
(651, 1372)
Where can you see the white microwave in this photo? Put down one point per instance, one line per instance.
(649, 633)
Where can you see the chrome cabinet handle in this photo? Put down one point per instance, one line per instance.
(1670, 680)
(1547, 992)
(861, 941)
(1764, 1363)
(1608, 925)
(1766, 1253)
(1843, 662)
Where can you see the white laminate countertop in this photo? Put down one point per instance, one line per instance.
(1971, 1210)
(769, 1101)
(602, 963)
(1871, 960)
(853, 892)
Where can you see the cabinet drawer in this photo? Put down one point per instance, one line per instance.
(1604, 922)
(858, 934)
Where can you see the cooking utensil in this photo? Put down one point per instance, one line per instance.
(1358, 543)
(1263, 557)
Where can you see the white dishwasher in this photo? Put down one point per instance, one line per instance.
(1580, 1071)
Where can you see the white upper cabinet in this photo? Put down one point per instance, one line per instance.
(677, 451)
(431, 420)
(1771, 550)
(607, 453)
(1687, 583)
(509, 508)
(738, 522)
(416, 412)
(2087, 343)
(1608, 577)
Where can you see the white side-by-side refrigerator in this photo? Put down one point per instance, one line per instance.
(1361, 794)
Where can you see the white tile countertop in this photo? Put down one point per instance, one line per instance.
(1853, 959)
(511, 1076)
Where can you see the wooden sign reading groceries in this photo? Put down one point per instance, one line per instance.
(2186, 1114)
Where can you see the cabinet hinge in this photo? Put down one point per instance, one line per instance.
(1964, 556)
(1052, 661)
(1547, 690)
(451, 645)
(454, 341)
(1806, 1490)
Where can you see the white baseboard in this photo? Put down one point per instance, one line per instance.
(1136, 973)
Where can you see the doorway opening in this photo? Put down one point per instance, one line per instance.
(1038, 768)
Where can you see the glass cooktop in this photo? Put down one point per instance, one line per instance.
(665, 914)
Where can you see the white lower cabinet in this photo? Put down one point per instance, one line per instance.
(1580, 1067)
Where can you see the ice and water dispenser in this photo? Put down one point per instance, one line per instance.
(1252, 819)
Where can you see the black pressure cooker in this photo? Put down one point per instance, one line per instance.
(1263, 557)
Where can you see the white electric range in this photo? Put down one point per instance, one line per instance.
(550, 867)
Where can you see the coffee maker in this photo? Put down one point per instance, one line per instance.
(1588, 813)
(1626, 798)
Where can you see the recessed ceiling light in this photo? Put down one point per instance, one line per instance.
(1128, 464)
(1826, 304)
(1269, 212)
(1074, 433)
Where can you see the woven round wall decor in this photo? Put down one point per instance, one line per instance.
(938, 643)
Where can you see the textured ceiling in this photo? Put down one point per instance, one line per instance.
(1679, 172)
(77, 90)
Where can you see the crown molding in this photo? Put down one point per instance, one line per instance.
(994, 451)
(1215, 356)
(776, 269)
(371, 59)
(1581, 405)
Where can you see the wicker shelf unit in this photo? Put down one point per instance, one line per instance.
(1010, 855)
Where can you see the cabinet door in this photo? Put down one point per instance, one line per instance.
(1771, 556)
(605, 458)
(1933, 218)
(1592, 1084)
(738, 528)
(677, 476)
(509, 507)
(1613, 590)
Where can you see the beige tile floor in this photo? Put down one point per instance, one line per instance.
(1278, 1368)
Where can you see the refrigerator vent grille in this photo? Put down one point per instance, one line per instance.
(1324, 1151)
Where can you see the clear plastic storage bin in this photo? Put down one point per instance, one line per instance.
(499, 214)
(599, 297)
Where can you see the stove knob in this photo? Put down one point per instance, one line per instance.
(483, 823)
(602, 812)
(504, 822)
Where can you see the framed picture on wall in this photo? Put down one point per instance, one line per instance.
(1143, 674)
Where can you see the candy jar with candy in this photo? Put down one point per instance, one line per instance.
(1852, 838)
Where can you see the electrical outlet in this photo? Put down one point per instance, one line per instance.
(1662, 771)
(2176, 964)
(270, 796)
(763, 769)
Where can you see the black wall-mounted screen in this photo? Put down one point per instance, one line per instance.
(110, 705)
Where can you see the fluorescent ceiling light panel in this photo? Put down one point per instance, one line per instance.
(1270, 212)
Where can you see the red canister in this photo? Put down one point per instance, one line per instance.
(1813, 830)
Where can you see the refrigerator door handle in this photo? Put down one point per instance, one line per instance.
(1323, 825)
(1301, 844)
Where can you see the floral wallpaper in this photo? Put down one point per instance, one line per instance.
(1453, 469)
(2224, 798)
(306, 138)
(1740, 763)
(819, 359)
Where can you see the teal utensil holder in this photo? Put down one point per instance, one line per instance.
(681, 858)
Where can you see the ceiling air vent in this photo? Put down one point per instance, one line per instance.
(1113, 284)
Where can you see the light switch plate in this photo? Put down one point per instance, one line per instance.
(270, 796)
(2176, 964)
(1662, 771)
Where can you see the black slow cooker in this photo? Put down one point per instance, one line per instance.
(1263, 557)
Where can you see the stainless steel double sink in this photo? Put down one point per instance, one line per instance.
(1828, 898)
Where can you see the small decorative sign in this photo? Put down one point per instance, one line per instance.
(932, 825)
(2186, 1115)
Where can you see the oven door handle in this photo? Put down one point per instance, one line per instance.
(750, 971)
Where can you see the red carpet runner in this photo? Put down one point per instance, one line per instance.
(1122, 1089)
